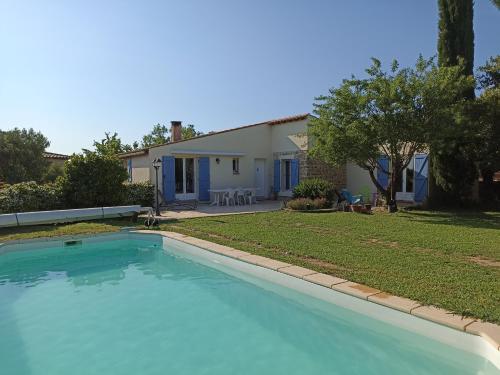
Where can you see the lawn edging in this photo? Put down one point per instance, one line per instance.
(489, 331)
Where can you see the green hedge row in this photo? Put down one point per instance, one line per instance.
(30, 196)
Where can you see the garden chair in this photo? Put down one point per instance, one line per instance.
(229, 196)
(351, 199)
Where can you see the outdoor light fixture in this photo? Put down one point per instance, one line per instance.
(156, 166)
(217, 160)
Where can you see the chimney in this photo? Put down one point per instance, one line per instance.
(175, 130)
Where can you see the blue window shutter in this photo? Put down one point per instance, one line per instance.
(294, 166)
(421, 177)
(203, 179)
(277, 176)
(383, 177)
(129, 167)
(168, 177)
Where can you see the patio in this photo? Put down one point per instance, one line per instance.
(205, 209)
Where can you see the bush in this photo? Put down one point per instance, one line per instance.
(140, 193)
(92, 180)
(29, 196)
(308, 204)
(315, 188)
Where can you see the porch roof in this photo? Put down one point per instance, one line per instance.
(211, 153)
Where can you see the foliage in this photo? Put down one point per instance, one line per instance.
(314, 188)
(21, 155)
(456, 34)
(189, 131)
(30, 196)
(496, 2)
(93, 180)
(157, 136)
(53, 172)
(140, 193)
(112, 145)
(488, 123)
(394, 114)
(304, 204)
(452, 162)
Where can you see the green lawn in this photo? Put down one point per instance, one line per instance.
(450, 260)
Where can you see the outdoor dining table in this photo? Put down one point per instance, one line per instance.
(220, 193)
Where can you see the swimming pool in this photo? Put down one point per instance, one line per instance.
(143, 304)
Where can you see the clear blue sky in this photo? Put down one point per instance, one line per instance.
(75, 69)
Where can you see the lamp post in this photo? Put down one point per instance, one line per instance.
(156, 166)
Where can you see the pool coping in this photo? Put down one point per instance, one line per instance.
(488, 331)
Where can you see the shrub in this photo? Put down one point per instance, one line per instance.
(29, 196)
(308, 204)
(93, 180)
(140, 193)
(314, 188)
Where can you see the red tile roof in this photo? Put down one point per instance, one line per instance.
(52, 155)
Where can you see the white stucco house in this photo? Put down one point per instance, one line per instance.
(270, 156)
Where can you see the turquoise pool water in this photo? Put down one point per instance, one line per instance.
(129, 307)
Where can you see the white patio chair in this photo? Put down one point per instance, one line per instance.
(229, 196)
(240, 196)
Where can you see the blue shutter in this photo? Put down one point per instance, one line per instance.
(277, 176)
(383, 177)
(168, 174)
(129, 167)
(421, 177)
(203, 179)
(294, 166)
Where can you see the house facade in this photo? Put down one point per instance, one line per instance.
(271, 156)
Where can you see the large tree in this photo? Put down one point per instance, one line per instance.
(21, 155)
(487, 117)
(452, 164)
(392, 114)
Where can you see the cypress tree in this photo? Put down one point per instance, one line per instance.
(453, 168)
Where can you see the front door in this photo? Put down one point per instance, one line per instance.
(185, 178)
(260, 177)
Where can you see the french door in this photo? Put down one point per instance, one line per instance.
(185, 178)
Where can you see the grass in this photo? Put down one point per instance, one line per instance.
(449, 260)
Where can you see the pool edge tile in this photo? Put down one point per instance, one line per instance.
(323, 279)
(489, 331)
(296, 271)
(394, 302)
(355, 289)
(442, 316)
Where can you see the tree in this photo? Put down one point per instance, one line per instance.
(21, 155)
(159, 135)
(189, 131)
(453, 169)
(93, 180)
(391, 114)
(488, 119)
(112, 145)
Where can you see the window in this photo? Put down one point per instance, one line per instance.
(404, 180)
(286, 175)
(236, 166)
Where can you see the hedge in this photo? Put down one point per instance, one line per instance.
(30, 196)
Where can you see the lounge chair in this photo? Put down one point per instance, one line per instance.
(351, 199)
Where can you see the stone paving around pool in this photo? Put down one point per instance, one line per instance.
(489, 331)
